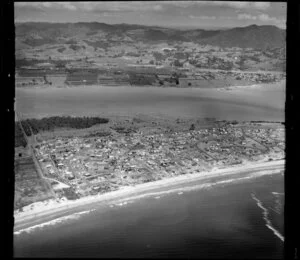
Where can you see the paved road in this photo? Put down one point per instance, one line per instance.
(56, 181)
(30, 143)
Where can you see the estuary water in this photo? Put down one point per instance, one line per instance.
(266, 103)
(230, 220)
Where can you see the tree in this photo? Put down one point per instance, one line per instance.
(192, 127)
(177, 63)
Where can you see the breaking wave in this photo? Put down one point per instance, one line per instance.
(265, 217)
(181, 190)
(277, 193)
(53, 222)
(158, 195)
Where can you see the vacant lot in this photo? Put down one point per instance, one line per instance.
(29, 187)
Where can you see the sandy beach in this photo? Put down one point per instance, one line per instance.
(55, 208)
(258, 86)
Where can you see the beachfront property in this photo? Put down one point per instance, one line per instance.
(131, 137)
(92, 165)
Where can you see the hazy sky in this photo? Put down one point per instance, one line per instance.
(199, 14)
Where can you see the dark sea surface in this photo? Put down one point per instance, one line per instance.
(230, 220)
(241, 104)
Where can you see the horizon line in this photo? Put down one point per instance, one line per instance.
(160, 26)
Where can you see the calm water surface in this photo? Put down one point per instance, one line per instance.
(227, 221)
(247, 104)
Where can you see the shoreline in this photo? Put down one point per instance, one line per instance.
(53, 207)
(252, 85)
(168, 103)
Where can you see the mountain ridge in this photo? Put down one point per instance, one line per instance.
(252, 36)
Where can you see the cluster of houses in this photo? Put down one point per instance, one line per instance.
(87, 164)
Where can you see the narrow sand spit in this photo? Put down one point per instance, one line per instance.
(258, 86)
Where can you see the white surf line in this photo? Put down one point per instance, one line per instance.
(120, 203)
(180, 190)
(53, 222)
(265, 216)
(165, 183)
(274, 210)
(277, 193)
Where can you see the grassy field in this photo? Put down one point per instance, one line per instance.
(29, 187)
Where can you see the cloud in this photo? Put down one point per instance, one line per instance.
(236, 5)
(46, 5)
(138, 5)
(34, 6)
(120, 6)
(263, 18)
(246, 17)
(67, 5)
(262, 5)
(203, 17)
(250, 5)
(266, 18)
(109, 14)
(213, 11)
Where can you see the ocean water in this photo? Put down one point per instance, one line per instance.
(229, 220)
(246, 104)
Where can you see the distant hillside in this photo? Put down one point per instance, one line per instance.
(253, 36)
(38, 34)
